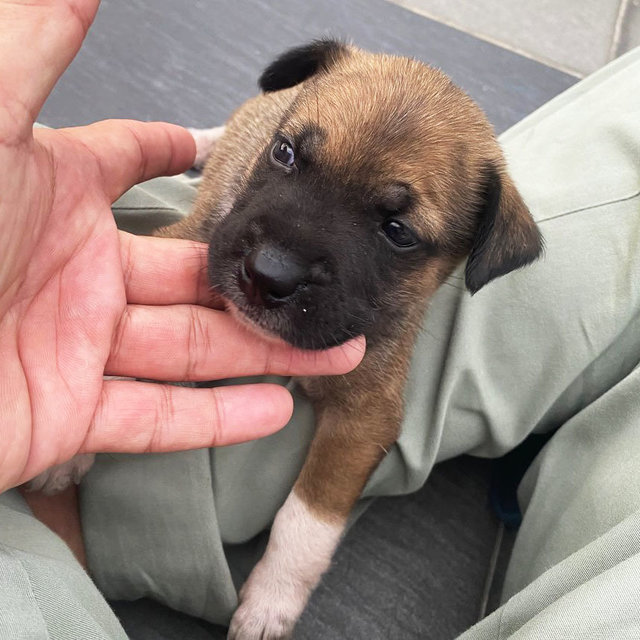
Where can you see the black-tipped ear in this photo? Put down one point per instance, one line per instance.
(507, 237)
(298, 64)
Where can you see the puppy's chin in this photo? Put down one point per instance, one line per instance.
(252, 326)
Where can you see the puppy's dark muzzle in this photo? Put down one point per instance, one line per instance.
(270, 276)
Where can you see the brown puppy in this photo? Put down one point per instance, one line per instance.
(335, 204)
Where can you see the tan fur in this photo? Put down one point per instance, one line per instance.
(385, 120)
(247, 133)
(389, 135)
(386, 134)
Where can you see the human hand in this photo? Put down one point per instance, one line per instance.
(78, 299)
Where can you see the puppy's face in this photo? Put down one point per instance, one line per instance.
(378, 179)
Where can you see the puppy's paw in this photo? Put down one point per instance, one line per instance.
(270, 605)
(205, 141)
(58, 478)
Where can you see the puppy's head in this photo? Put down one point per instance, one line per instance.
(379, 178)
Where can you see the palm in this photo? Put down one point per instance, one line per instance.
(79, 299)
(56, 331)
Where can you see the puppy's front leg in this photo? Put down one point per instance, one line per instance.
(299, 551)
(348, 445)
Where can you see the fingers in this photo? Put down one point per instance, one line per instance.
(37, 43)
(138, 417)
(129, 152)
(165, 271)
(187, 342)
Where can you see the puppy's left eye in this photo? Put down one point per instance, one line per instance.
(282, 153)
(399, 233)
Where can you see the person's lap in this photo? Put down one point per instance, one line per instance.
(555, 345)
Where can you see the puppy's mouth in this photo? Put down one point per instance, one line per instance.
(300, 322)
(252, 325)
(273, 324)
(287, 296)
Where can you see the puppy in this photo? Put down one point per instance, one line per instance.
(334, 204)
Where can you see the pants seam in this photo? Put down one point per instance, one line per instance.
(591, 206)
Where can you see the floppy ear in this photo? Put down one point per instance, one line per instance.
(298, 64)
(507, 238)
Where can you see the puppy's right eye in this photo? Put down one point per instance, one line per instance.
(399, 234)
(282, 153)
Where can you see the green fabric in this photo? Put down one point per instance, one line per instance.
(44, 593)
(554, 345)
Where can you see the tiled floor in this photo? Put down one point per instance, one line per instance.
(193, 63)
(577, 36)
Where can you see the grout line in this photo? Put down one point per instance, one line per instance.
(498, 43)
(491, 572)
(617, 30)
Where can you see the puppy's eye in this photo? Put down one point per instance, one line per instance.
(282, 153)
(399, 233)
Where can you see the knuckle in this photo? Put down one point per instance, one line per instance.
(98, 420)
(127, 259)
(268, 363)
(218, 416)
(123, 327)
(139, 155)
(198, 344)
(163, 418)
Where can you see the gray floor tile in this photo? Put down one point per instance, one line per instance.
(193, 63)
(573, 34)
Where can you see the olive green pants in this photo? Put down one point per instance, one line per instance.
(554, 345)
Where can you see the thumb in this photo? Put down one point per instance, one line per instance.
(129, 151)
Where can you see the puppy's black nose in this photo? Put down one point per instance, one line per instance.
(269, 276)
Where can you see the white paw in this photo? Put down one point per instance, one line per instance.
(205, 141)
(270, 606)
(276, 593)
(58, 478)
